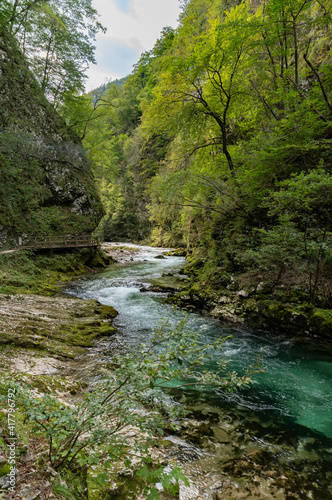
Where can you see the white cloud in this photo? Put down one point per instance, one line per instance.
(133, 27)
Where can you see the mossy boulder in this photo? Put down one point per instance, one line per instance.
(178, 252)
(268, 312)
(290, 317)
(104, 311)
(321, 321)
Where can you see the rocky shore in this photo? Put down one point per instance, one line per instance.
(58, 326)
(274, 312)
(43, 344)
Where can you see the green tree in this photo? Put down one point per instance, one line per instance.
(287, 83)
(57, 37)
(15, 13)
(302, 240)
(200, 87)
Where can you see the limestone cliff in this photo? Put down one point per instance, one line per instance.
(46, 184)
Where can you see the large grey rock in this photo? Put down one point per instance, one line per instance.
(46, 182)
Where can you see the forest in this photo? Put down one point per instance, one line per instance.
(220, 142)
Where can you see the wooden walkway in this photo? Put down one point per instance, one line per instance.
(49, 242)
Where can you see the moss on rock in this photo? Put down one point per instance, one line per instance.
(44, 272)
(56, 194)
(321, 321)
(49, 384)
(61, 326)
(285, 313)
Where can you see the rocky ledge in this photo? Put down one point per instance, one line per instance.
(56, 326)
(278, 313)
(43, 345)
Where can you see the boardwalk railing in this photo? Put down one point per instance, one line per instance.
(60, 242)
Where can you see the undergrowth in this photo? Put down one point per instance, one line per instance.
(43, 273)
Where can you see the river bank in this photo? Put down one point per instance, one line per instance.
(281, 311)
(44, 339)
(257, 310)
(230, 451)
(43, 345)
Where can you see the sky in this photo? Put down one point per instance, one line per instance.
(133, 26)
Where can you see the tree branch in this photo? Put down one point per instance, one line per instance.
(319, 81)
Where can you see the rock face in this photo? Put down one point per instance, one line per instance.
(266, 312)
(46, 184)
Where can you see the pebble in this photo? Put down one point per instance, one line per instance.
(29, 493)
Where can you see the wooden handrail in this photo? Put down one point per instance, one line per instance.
(60, 242)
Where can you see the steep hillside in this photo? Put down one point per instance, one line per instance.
(46, 185)
(220, 142)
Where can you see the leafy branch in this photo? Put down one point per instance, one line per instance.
(97, 427)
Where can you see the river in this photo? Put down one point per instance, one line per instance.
(272, 439)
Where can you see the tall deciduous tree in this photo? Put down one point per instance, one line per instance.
(201, 82)
(57, 37)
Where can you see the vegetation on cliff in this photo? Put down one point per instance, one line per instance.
(220, 142)
(47, 186)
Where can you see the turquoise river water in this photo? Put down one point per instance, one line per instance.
(287, 413)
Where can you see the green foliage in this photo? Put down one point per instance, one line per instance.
(93, 433)
(245, 67)
(307, 199)
(301, 243)
(168, 480)
(124, 160)
(58, 37)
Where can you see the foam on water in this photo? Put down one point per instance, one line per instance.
(297, 382)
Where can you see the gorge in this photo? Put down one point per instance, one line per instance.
(206, 176)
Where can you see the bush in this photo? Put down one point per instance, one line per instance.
(131, 397)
